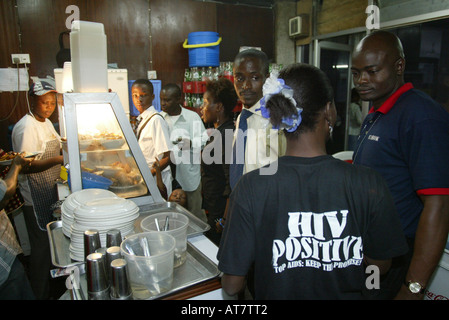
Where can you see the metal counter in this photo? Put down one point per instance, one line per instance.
(198, 267)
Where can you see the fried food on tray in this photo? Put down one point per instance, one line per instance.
(8, 155)
(124, 166)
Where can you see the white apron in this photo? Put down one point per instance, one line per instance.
(43, 186)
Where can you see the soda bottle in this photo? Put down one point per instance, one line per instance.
(187, 76)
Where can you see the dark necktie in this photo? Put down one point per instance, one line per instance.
(135, 125)
(236, 167)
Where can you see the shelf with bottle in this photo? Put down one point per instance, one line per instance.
(195, 78)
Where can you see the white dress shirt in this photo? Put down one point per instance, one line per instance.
(188, 126)
(154, 140)
(264, 144)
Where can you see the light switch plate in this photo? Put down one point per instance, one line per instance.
(22, 58)
(152, 75)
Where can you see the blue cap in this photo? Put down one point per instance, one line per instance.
(40, 88)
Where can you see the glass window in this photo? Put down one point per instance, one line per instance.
(104, 150)
(427, 57)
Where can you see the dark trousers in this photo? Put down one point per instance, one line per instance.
(40, 257)
(17, 286)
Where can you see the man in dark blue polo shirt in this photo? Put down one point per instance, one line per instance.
(405, 137)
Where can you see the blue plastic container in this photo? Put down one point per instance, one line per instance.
(204, 49)
(92, 181)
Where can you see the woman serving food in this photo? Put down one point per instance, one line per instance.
(35, 133)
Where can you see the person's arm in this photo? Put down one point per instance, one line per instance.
(236, 253)
(163, 163)
(219, 226)
(161, 139)
(160, 184)
(383, 265)
(42, 165)
(221, 222)
(11, 178)
(430, 240)
(226, 144)
(232, 285)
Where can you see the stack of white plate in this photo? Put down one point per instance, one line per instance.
(102, 215)
(76, 199)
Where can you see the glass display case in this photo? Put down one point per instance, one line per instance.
(100, 143)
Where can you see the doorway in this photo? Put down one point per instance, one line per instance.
(335, 60)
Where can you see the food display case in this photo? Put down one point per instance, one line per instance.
(99, 142)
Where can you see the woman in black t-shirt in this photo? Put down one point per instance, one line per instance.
(311, 228)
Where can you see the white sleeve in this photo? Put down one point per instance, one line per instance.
(199, 132)
(25, 138)
(161, 137)
(18, 135)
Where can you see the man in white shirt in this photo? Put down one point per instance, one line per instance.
(188, 134)
(263, 143)
(152, 131)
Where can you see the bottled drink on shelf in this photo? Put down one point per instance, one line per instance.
(216, 73)
(197, 100)
(203, 74)
(229, 66)
(186, 99)
(274, 67)
(195, 76)
(194, 81)
(187, 75)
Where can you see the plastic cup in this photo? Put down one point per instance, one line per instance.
(178, 224)
(152, 274)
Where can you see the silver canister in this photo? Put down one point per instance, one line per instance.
(101, 250)
(97, 283)
(120, 286)
(91, 241)
(113, 238)
(112, 253)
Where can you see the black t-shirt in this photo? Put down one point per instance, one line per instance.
(215, 169)
(307, 228)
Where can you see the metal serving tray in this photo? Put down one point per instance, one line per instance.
(59, 243)
(59, 247)
(196, 225)
(197, 268)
